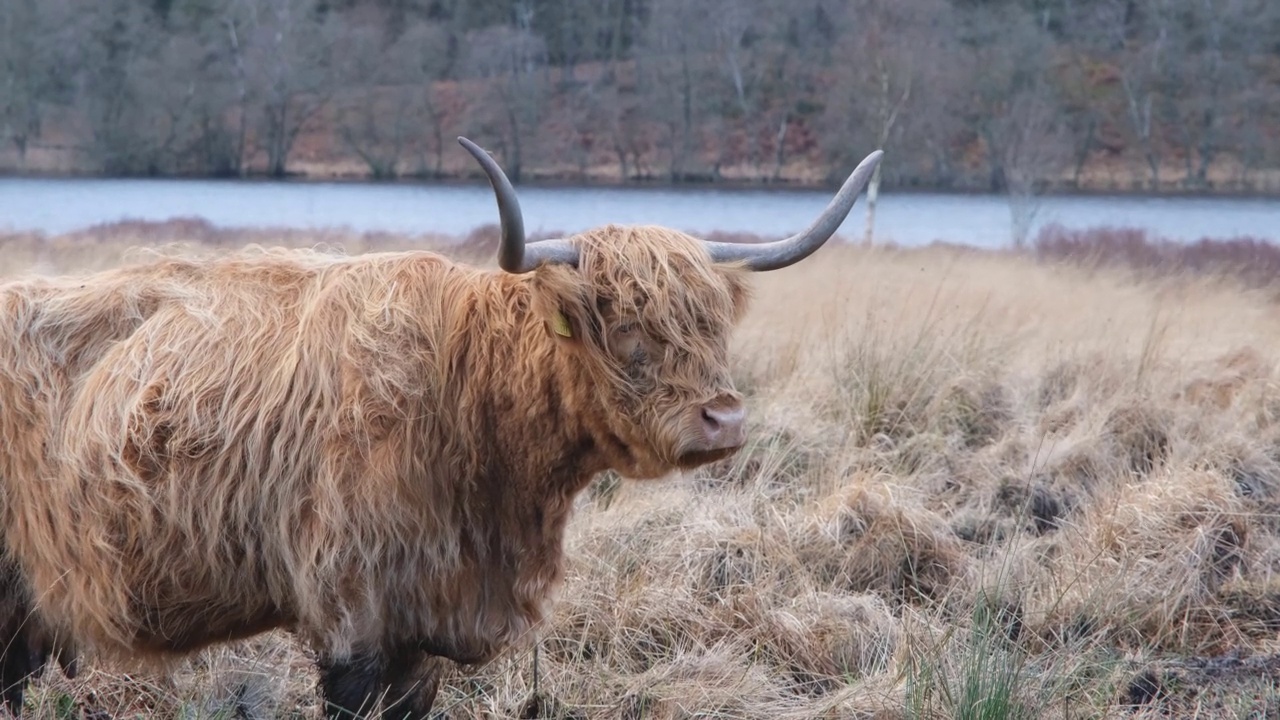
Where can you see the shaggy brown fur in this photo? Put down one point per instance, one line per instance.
(378, 452)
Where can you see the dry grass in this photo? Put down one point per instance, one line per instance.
(979, 485)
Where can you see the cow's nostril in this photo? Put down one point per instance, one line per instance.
(722, 424)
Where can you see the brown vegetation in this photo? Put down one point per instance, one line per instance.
(975, 482)
(1253, 261)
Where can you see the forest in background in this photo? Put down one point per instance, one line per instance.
(1012, 96)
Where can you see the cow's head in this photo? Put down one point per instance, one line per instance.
(642, 316)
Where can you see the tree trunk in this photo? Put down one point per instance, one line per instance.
(873, 193)
(622, 160)
(1082, 154)
(1207, 149)
(242, 92)
(514, 163)
(780, 145)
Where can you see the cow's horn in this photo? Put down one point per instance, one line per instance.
(513, 254)
(781, 253)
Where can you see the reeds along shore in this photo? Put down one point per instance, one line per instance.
(978, 485)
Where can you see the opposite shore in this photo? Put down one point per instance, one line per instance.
(1100, 180)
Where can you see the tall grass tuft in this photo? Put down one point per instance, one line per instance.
(977, 675)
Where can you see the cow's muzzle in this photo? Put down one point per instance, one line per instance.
(715, 430)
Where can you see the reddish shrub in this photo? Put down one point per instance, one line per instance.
(1253, 260)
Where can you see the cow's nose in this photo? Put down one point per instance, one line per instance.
(723, 424)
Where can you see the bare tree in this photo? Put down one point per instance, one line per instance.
(288, 73)
(744, 47)
(1207, 76)
(583, 41)
(790, 74)
(1083, 117)
(606, 110)
(508, 62)
(1014, 110)
(583, 115)
(209, 131)
(933, 130)
(1137, 44)
(389, 92)
(136, 88)
(1034, 148)
(882, 53)
(674, 65)
(31, 32)
(232, 21)
(887, 37)
(1256, 101)
(625, 125)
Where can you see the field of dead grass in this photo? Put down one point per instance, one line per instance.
(978, 485)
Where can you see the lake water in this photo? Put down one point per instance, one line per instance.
(60, 205)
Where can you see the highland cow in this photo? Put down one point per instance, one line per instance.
(378, 453)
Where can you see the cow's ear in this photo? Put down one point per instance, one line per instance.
(560, 324)
(561, 299)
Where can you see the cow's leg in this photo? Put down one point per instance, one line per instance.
(22, 651)
(19, 665)
(412, 678)
(350, 687)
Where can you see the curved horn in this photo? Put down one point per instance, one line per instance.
(781, 253)
(514, 255)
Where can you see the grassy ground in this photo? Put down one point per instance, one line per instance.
(978, 485)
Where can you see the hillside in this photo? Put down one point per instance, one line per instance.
(1015, 96)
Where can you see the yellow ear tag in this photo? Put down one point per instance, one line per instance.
(560, 324)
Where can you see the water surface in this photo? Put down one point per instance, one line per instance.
(60, 205)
